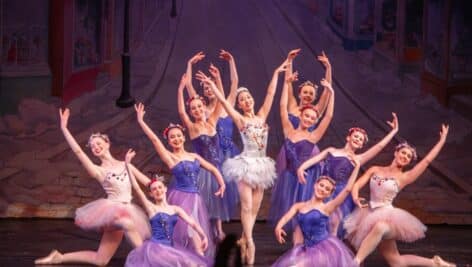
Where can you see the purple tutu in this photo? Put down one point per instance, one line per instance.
(330, 252)
(160, 255)
(102, 214)
(194, 206)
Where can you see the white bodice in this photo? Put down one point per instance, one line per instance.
(254, 137)
(117, 186)
(382, 191)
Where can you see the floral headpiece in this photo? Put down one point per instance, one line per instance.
(362, 131)
(304, 107)
(104, 137)
(172, 126)
(156, 178)
(406, 145)
(196, 96)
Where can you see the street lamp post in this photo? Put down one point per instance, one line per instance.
(125, 100)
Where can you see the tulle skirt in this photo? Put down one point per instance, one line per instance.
(218, 208)
(404, 226)
(255, 171)
(330, 252)
(194, 206)
(103, 214)
(160, 255)
(282, 197)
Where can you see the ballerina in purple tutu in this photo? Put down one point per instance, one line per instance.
(380, 223)
(298, 145)
(338, 166)
(319, 248)
(206, 143)
(252, 169)
(185, 168)
(159, 250)
(113, 216)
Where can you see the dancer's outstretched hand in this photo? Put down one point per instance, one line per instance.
(280, 234)
(221, 191)
(361, 202)
(394, 122)
(292, 78)
(139, 111)
(293, 53)
(444, 132)
(204, 243)
(129, 155)
(301, 176)
(214, 71)
(64, 115)
(197, 57)
(323, 59)
(226, 55)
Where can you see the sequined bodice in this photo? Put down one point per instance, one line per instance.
(297, 153)
(314, 226)
(224, 128)
(208, 147)
(254, 138)
(117, 186)
(382, 191)
(162, 226)
(296, 121)
(186, 174)
(339, 168)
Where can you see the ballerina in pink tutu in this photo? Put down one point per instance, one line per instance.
(114, 216)
(380, 223)
(319, 249)
(185, 167)
(159, 250)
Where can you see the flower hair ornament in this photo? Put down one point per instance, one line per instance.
(196, 96)
(104, 137)
(304, 107)
(172, 126)
(406, 145)
(156, 178)
(362, 131)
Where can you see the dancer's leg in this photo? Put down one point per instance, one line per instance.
(130, 230)
(370, 242)
(108, 246)
(245, 196)
(257, 195)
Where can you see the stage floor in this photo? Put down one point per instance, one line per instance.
(23, 240)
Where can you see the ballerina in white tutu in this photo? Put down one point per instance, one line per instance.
(114, 216)
(252, 169)
(380, 223)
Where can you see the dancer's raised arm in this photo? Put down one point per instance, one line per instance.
(323, 126)
(339, 199)
(192, 223)
(374, 150)
(209, 167)
(410, 176)
(233, 75)
(196, 58)
(292, 100)
(92, 169)
(358, 186)
(271, 89)
(181, 102)
(286, 124)
(324, 98)
(160, 148)
(139, 192)
(279, 231)
(236, 116)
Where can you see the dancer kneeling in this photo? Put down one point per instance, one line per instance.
(160, 251)
(319, 248)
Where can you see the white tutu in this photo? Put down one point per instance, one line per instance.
(255, 171)
(404, 226)
(102, 214)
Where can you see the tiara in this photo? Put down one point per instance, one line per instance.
(196, 96)
(406, 145)
(104, 137)
(241, 89)
(172, 126)
(325, 177)
(362, 131)
(308, 83)
(304, 107)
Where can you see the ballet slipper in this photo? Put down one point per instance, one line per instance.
(438, 261)
(53, 258)
(251, 251)
(243, 245)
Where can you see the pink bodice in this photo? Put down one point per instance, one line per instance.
(382, 191)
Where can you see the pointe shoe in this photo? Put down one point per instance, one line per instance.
(53, 258)
(251, 252)
(243, 246)
(438, 261)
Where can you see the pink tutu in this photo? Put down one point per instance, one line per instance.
(102, 214)
(404, 226)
